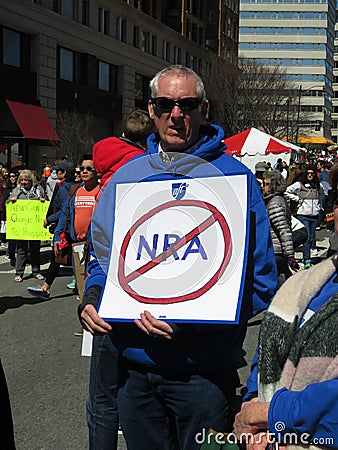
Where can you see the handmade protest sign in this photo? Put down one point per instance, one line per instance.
(178, 250)
(25, 220)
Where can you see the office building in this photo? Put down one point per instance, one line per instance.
(298, 35)
(334, 129)
(95, 58)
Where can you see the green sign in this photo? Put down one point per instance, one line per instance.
(25, 220)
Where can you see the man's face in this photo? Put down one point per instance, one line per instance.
(87, 170)
(178, 129)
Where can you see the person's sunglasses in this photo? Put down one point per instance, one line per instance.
(185, 104)
(88, 168)
(266, 184)
(310, 173)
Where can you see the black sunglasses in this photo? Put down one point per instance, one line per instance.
(185, 104)
(310, 173)
(264, 183)
(89, 168)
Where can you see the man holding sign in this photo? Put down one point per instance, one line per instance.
(181, 245)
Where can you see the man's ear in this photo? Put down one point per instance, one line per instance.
(205, 109)
(151, 109)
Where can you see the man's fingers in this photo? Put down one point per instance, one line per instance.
(153, 327)
(155, 324)
(139, 323)
(94, 328)
(93, 321)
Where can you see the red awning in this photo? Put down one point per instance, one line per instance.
(3, 148)
(32, 121)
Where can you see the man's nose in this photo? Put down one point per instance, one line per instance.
(176, 111)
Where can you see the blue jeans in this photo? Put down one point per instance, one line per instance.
(102, 412)
(310, 223)
(170, 411)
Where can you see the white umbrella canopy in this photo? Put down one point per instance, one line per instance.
(252, 146)
(255, 142)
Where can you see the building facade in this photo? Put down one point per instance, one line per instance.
(96, 57)
(334, 129)
(297, 35)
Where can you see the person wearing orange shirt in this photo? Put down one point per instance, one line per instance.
(81, 206)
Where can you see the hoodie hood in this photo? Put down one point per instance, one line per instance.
(112, 153)
(208, 148)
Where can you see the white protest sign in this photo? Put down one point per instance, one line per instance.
(178, 250)
(87, 344)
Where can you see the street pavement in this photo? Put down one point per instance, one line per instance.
(46, 376)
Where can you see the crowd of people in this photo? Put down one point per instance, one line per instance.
(297, 193)
(165, 381)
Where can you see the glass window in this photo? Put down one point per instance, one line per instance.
(85, 12)
(145, 41)
(166, 50)
(136, 36)
(103, 22)
(177, 55)
(138, 86)
(11, 47)
(56, 6)
(121, 29)
(104, 76)
(68, 9)
(154, 45)
(66, 64)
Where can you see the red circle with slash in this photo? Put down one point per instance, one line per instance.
(215, 217)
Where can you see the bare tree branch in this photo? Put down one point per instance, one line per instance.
(253, 95)
(75, 132)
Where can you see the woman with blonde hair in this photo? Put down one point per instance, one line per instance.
(2, 208)
(27, 189)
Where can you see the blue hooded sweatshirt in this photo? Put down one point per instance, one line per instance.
(195, 347)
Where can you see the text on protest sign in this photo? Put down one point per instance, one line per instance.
(25, 220)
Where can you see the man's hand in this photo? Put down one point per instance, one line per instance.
(253, 417)
(45, 223)
(154, 327)
(57, 248)
(93, 322)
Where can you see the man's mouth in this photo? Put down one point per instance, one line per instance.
(177, 129)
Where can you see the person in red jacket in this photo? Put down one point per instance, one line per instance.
(112, 153)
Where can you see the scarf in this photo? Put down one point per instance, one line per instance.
(291, 356)
(294, 357)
